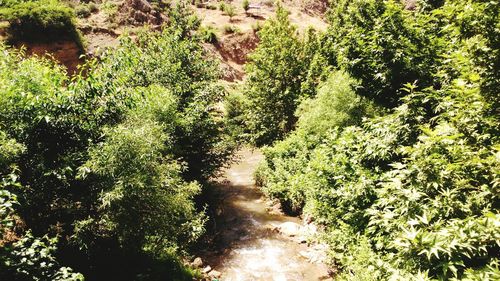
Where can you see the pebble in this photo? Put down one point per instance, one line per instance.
(214, 274)
(207, 269)
(197, 262)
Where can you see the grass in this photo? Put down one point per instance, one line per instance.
(230, 29)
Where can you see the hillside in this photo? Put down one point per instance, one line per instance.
(102, 22)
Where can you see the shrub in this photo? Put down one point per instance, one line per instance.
(222, 6)
(110, 9)
(83, 11)
(396, 47)
(32, 258)
(41, 21)
(336, 106)
(409, 195)
(257, 26)
(230, 11)
(246, 5)
(208, 34)
(193, 79)
(93, 7)
(22, 256)
(9, 154)
(211, 7)
(230, 29)
(138, 196)
(235, 108)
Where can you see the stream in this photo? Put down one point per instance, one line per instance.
(246, 244)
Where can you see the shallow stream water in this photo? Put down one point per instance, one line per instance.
(247, 246)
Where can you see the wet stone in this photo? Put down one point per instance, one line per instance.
(290, 228)
(214, 274)
(207, 269)
(197, 262)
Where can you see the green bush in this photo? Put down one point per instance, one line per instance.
(235, 108)
(257, 26)
(230, 29)
(32, 258)
(222, 6)
(211, 7)
(9, 154)
(141, 186)
(230, 11)
(246, 5)
(28, 257)
(109, 8)
(208, 34)
(44, 20)
(83, 11)
(336, 106)
(93, 7)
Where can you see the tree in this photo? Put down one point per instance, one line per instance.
(395, 48)
(276, 70)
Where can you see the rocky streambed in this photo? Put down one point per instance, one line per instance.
(252, 241)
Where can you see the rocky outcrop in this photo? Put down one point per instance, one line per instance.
(214, 274)
(140, 12)
(315, 254)
(197, 263)
(410, 4)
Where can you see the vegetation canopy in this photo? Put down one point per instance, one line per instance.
(397, 155)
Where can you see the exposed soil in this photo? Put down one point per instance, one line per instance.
(232, 52)
(233, 48)
(302, 13)
(66, 52)
(247, 244)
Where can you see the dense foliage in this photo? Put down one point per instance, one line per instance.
(39, 20)
(411, 191)
(281, 71)
(384, 46)
(335, 106)
(99, 171)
